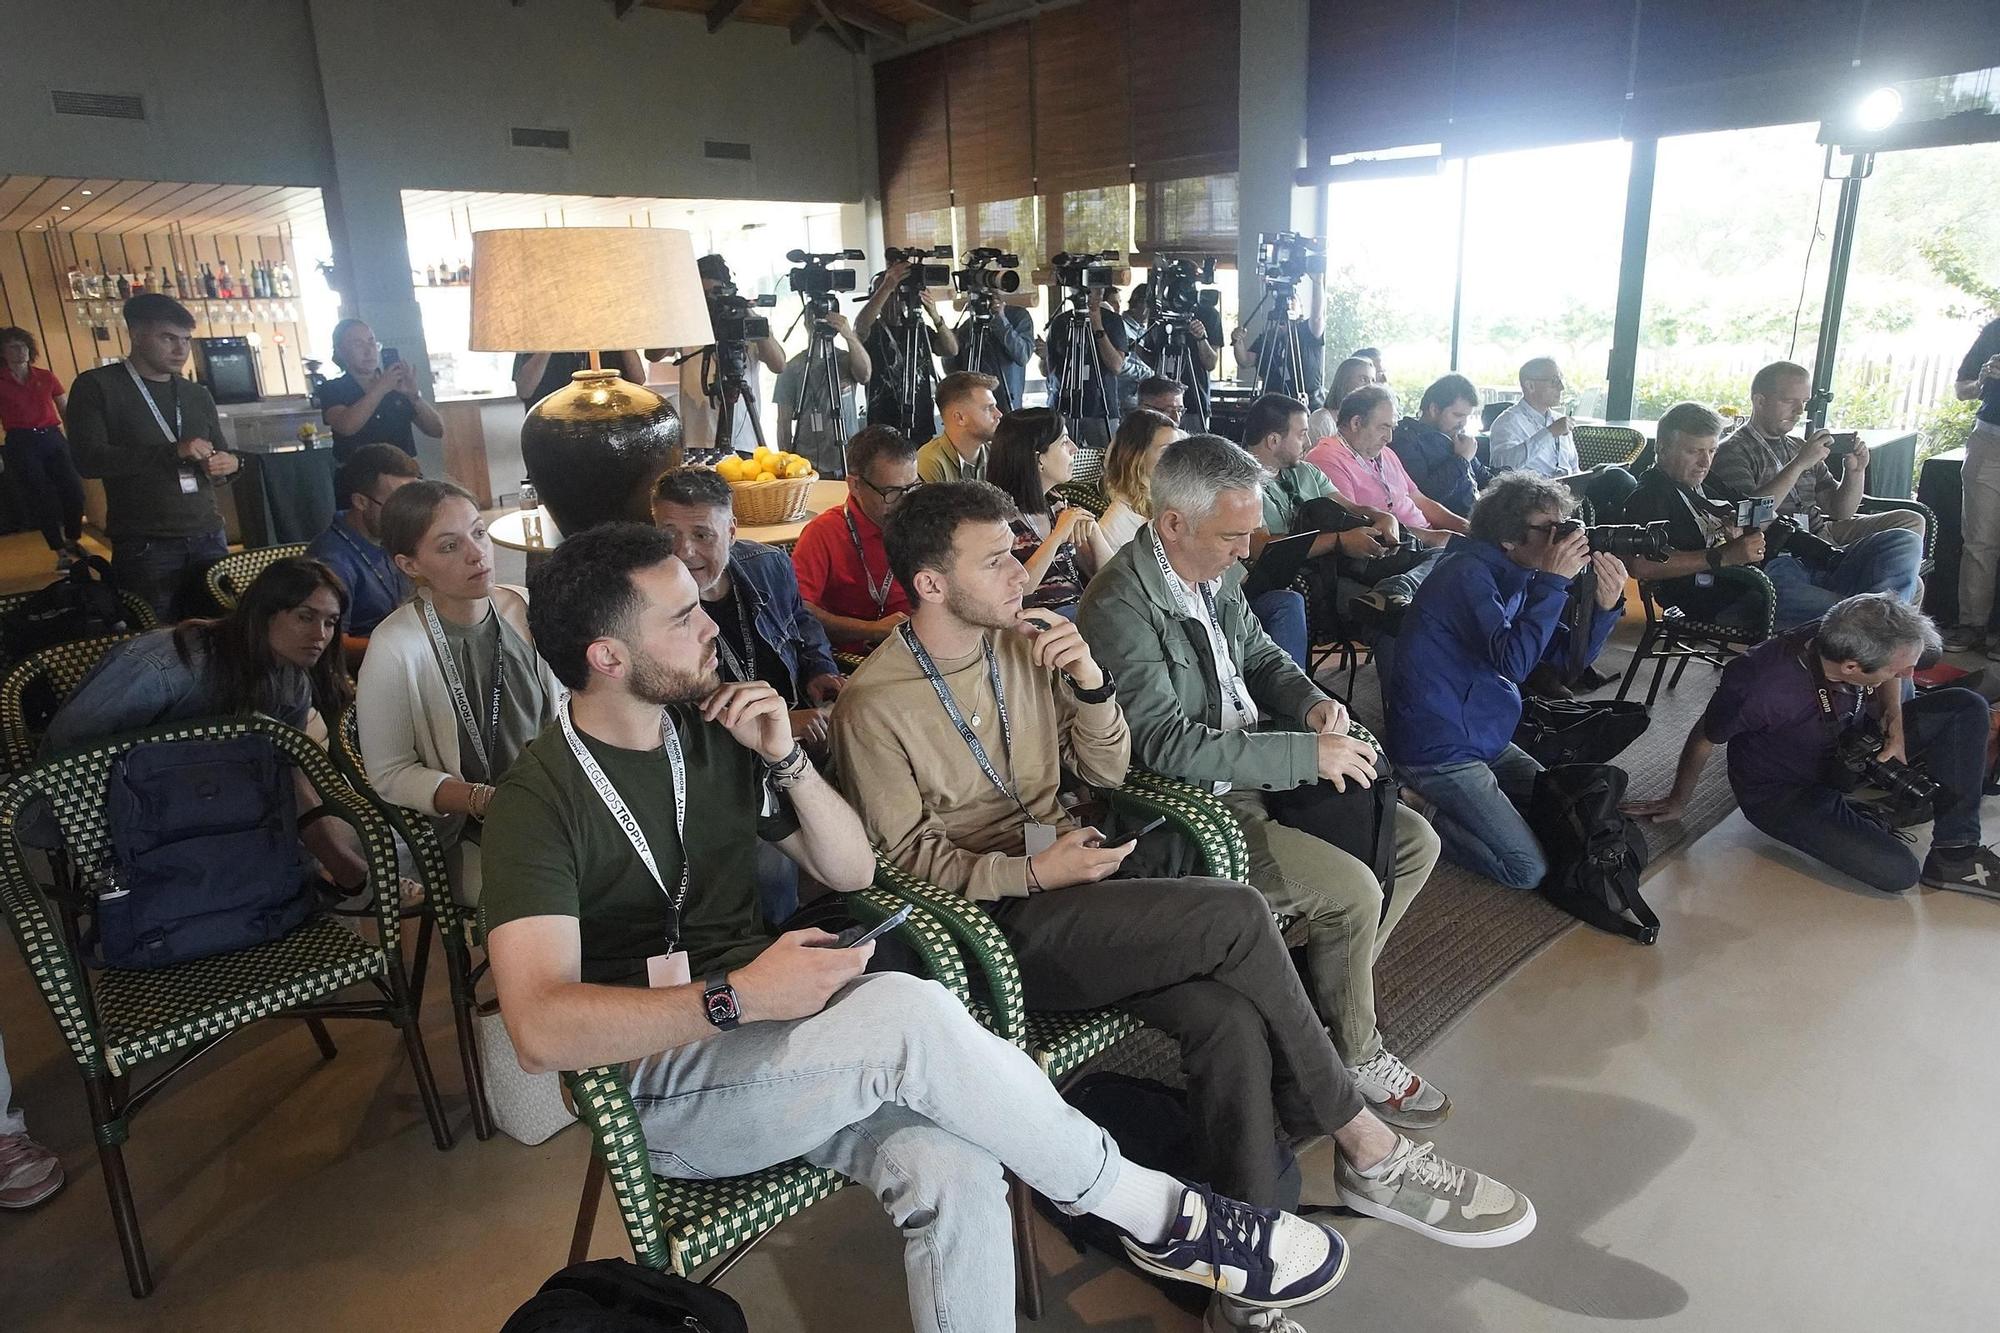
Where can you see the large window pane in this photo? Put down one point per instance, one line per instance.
(1735, 268)
(1542, 240)
(1097, 219)
(1924, 278)
(1392, 248)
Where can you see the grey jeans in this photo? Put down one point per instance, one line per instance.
(897, 1087)
(11, 1120)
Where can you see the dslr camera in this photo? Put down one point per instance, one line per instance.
(1101, 269)
(1181, 287)
(1286, 257)
(1648, 541)
(988, 270)
(730, 312)
(924, 271)
(1858, 752)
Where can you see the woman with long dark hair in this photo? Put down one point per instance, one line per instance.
(452, 689)
(32, 404)
(267, 656)
(1060, 545)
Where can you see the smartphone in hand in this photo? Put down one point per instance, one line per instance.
(1139, 833)
(856, 936)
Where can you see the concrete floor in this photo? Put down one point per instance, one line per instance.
(1778, 1118)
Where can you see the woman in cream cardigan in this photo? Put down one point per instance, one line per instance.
(451, 690)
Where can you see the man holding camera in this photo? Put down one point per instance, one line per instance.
(1810, 713)
(1200, 333)
(1004, 333)
(1763, 459)
(1808, 575)
(1487, 617)
(904, 387)
(817, 440)
(700, 414)
(1312, 344)
(1097, 412)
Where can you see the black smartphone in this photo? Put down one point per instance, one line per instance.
(856, 936)
(390, 356)
(1139, 833)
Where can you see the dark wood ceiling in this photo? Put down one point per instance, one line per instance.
(849, 22)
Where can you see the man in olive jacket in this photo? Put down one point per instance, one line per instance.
(1210, 699)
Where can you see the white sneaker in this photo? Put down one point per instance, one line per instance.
(1449, 1203)
(1226, 1316)
(1398, 1094)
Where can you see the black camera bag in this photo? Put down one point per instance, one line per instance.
(1595, 853)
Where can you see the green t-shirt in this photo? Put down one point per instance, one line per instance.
(551, 848)
(1284, 493)
(523, 700)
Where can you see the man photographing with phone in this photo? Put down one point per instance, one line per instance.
(951, 740)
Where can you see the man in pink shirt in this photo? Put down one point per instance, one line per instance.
(1362, 467)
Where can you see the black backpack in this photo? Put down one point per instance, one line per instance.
(1579, 731)
(81, 604)
(619, 1296)
(1594, 852)
(206, 854)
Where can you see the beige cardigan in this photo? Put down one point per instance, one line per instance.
(409, 729)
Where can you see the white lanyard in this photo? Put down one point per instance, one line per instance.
(623, 813)
(1225, 665)
(455, 685)
(173, 432)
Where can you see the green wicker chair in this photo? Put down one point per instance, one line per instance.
(1086, 495)
(1876, 504)
(1597, 446)
(1062, 1042)
(59, 670)
(114, 1020)
(229, 576)
(1672, 634)
(681, 1225)
(456, 926)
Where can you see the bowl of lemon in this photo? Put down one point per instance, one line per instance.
(768, 486)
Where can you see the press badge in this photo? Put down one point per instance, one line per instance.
(188, 484)
(1039, 837)
(668, 969)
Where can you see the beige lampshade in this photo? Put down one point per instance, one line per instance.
(569, 289)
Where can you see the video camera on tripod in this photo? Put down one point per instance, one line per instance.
(1082, 272)
(1181, 287)
(730, 314)
(988, 271)
(1286, 258)
(819, 284)
(924, 271)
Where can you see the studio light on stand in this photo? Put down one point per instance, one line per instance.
(1878, 110)
(594, 447)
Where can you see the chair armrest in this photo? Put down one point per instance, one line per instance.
(976, 934)
(1877, 504)
(1744, 580)
(1195, 813)
(603, 1101)
(58, 972)
(924, 932)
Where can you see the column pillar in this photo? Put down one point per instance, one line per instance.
(1271, 123)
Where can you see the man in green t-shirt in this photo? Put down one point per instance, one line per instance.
(620, 918)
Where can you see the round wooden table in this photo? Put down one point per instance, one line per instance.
(533, 531)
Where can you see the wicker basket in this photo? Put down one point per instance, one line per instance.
(762, 503)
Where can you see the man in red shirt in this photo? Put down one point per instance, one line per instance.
(843, 570)
(32, 403)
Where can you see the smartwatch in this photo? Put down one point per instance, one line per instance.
(718, 1001)
(1096, 696)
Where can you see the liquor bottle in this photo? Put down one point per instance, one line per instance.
(75, 276)
(208, 287)
(124, 286)
(465, 273)
(285, 287)
(431, 275)
(92, 285)
(181, 282)
(146, 282)
(167, 281)
(227, 281)
(260, 286)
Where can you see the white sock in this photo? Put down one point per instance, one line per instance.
(1142, 1203)
(1375, 1172)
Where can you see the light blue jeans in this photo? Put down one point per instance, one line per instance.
(1282, 613)
(11, 1120)
(1885, 561)
(895, 1086)
(1478, 816)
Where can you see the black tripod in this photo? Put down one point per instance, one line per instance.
(1076, 374)
(1280, 366)
(911, 399)
(819, 426)
(727, 389)
(976, 341)
(1170, 352)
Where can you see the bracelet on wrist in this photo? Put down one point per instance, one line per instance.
(1034, 880)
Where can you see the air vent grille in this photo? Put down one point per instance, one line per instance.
(533, 138)
(111, 106)
(717, 150)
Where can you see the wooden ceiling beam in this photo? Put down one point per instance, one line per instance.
(843, 34)
(869, 21)
(958, 11)
(721, 12)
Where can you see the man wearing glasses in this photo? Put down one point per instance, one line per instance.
(1531, 437)
(1165, 396)
(842, 567)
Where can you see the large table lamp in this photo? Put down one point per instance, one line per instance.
(593, 448)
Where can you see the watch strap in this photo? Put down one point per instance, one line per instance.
(1097, 696)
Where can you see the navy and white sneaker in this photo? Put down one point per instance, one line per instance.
(1258, 1256)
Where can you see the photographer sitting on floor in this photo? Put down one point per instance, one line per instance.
(1808, 721)
(1808, 575)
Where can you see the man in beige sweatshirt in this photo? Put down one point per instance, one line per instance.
(950, 741)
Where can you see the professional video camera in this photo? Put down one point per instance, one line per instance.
(1100, 269)
(988, 270)
(923, 273)
(1284, 258)
(729, 312)
(1649, 541)
(1858, 750)
(1181, 287)
(813, 277)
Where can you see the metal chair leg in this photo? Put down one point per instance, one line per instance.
(420, 968)
(1027, 1263)
(322, 1038)
(1680, 669)
(1646, 642)
(118, 1186)
(462, 1009)
(420, 1066)
(586, 1209)
(1659, 671)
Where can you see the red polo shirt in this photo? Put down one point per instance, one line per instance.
(835, 575)
(32, 405)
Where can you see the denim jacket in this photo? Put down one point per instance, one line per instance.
(143, 682)
(778, 613)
